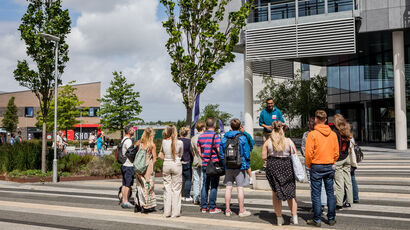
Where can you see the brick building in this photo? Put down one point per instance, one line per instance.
(28, 107)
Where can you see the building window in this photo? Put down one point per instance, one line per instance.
(340, 5)
(305, 68)
(311, 7)
(91, 113)
(29, 112)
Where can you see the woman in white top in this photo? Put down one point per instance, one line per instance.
(172, 171)
(279, 171)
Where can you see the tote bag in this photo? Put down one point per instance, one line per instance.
(297, 165)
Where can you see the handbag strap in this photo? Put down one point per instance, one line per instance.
(212, 148)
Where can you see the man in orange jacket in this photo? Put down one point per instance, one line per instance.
(321, 154)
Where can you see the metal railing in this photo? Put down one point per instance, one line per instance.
(299, 8)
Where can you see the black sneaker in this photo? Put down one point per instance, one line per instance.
(339, 208)
(332, 222)
(137, 208)
(313, 223)
(263, 169)
(347, 205)
(356, 201)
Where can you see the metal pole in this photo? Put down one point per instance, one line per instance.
(81, 128)
(55, 116)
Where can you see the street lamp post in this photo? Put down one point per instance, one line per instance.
(56, 41)
(81, 128)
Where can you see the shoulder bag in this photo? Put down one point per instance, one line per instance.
(214, 168)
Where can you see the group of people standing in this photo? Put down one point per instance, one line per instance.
(96, 141)
(184, 167)
(328, 159)
(12, 139)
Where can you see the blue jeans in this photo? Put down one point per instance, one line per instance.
(197, 182)
(187, 178)
(212, 181)
(323, 197)
(100, 152)
(354, 185)
(325, 173)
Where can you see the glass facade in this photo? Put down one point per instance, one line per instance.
(283, 9)
(361, 87)
(305, 71)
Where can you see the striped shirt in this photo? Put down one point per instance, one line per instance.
(205, 142)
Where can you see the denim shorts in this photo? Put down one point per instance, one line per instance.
(127, 176)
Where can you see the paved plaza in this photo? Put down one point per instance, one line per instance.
(384, 184)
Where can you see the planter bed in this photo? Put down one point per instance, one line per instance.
(34, 179)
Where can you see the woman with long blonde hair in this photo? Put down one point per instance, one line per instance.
(277, 151)
(145, 182)
(172, 171)
(343, 179)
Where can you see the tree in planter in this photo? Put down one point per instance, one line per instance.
(10, 119)
(197, 45)
(212, 110)
(120, 105)
(43, 17)
(67, 109)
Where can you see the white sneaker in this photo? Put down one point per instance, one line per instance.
(251, 181)
(280, 221)
(245, 214)
(189, 199)
(183, 198)
(294, 220)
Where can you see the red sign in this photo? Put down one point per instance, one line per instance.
(49, 136)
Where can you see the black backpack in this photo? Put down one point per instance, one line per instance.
(121, 158)
(233, 156)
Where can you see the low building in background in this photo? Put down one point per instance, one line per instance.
(28, 108)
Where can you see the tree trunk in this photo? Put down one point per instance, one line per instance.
(189, 116)
(122, 134)
(43, 149)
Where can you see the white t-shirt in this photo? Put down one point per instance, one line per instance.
(126, 144)
(59, 141)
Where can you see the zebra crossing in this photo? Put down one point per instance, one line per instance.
(384, 191)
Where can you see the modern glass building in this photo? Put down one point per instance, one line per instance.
(364, 45)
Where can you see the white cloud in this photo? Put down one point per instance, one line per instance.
(125, 35)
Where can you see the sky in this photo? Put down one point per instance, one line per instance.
(120, 35)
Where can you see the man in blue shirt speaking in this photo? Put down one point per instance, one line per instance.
(268, 116)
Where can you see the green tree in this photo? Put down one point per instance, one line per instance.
(312, 95)
(67, 109)
(295, 97)
(197, 44)
(10, 119)
(43, 17)
(212, 110)
(120, 105)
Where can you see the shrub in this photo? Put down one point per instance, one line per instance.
(296, 132)
(106, 165)
(23, 156)
(70, 163)
(256, 158)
